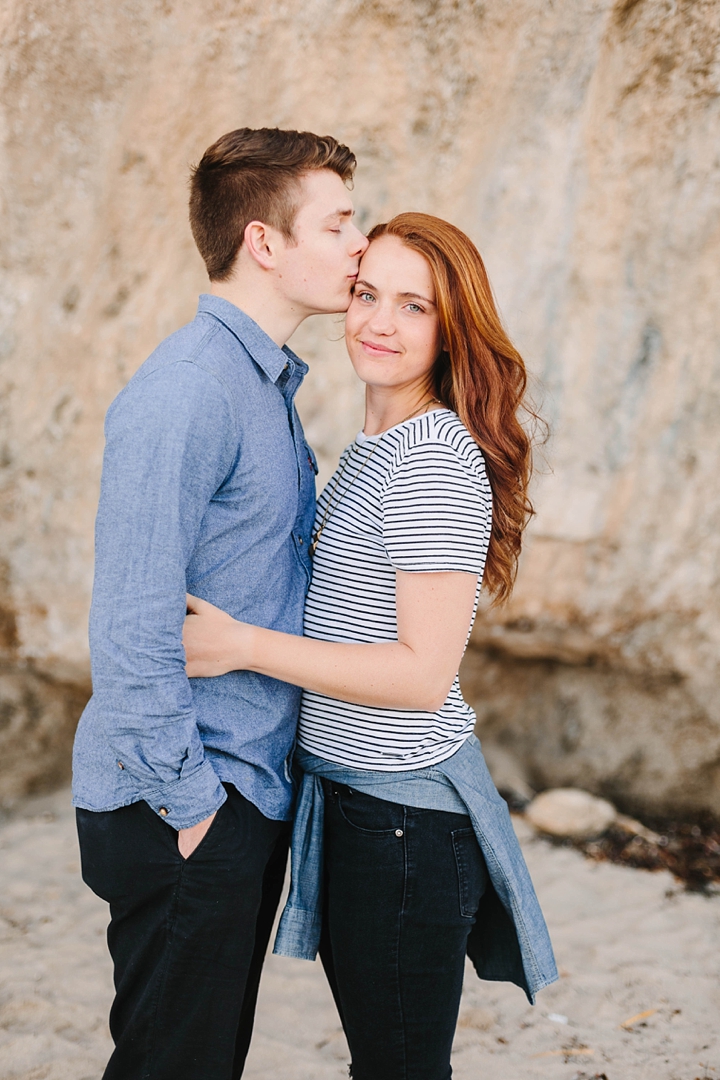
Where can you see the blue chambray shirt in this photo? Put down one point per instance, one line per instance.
(208, 487)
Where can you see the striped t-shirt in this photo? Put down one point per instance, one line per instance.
(422, 502)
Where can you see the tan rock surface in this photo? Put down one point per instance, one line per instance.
(577, 143)
(630, 945)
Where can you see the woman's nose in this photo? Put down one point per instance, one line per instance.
(381, 319)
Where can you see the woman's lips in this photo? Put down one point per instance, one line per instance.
(378, 350)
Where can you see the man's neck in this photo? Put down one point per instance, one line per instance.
(273, 314)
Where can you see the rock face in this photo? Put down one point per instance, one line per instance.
(577, 143)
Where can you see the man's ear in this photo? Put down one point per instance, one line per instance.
(261, 241)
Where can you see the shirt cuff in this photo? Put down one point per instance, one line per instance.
(190, 799)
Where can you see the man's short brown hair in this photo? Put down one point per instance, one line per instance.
(253, 174)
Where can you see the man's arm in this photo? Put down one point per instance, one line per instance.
(171, 440)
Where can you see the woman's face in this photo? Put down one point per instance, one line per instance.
(392, 329)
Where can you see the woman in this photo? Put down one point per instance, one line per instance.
(404, 857)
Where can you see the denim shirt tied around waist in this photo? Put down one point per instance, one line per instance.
(509, 941)
(208, 487)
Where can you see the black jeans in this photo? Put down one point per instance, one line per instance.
(401, 891)
(187, 936)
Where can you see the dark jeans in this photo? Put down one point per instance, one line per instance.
(187, 936)
(402, 889)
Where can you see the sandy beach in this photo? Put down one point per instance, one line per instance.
(639, 996)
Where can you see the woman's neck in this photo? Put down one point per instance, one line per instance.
(387, 406)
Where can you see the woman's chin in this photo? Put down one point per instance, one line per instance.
(374, 372)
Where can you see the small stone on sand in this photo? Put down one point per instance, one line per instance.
(571, 813)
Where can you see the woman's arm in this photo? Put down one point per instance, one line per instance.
(414, 672)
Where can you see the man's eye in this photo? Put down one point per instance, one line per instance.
(365, 296)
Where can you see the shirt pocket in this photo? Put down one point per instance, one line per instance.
(471, 871)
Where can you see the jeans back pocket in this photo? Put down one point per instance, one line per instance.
(471, 870)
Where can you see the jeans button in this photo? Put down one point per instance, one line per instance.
(398, 832)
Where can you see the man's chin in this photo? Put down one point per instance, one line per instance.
(337, 307)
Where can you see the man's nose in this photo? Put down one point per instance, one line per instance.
(359, 243)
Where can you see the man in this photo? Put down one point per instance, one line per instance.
(183, 789)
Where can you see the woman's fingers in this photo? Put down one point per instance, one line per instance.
(195, 604)
(209, 637)
(196, 669)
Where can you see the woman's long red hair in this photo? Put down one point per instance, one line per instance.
(481, 376)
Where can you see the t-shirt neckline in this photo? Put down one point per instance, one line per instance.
(362, 439)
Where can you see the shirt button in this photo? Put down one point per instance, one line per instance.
(120, 765)
(163, 811)
(300, 539)
(398, 832)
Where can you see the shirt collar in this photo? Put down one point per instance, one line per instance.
(267, 355)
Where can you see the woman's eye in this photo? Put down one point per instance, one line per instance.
(365, 296)
(414, 308)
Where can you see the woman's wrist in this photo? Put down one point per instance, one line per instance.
(249, 646)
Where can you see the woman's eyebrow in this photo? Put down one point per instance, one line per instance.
(416, 296)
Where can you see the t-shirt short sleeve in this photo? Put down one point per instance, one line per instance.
(437, 510)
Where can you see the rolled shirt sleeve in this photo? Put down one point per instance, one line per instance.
(171, 439)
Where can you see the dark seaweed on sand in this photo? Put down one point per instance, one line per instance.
(689, 850)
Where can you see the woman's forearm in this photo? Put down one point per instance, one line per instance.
(434, 611)
(388, 674)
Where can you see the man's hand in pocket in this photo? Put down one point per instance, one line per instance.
(188, 839)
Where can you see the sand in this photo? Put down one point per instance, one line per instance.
(628, 943)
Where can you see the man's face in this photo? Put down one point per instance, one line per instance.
(316, 273)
